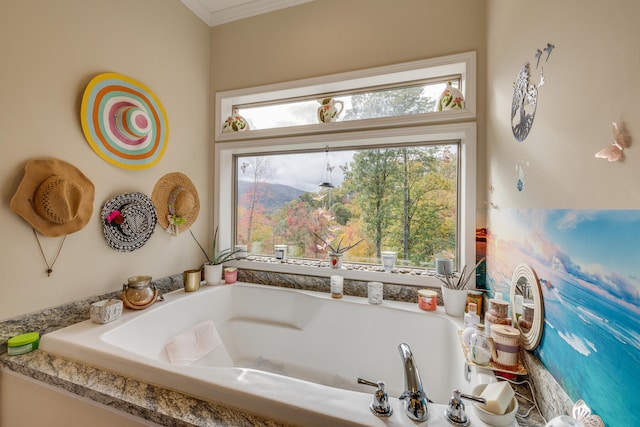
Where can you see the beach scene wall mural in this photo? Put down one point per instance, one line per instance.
(588, 265)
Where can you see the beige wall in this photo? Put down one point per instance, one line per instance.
(592, 79)
(50, 50)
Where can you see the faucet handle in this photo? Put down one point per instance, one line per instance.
(455, 412)
(380, 405)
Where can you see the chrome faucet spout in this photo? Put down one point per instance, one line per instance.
(415, 399)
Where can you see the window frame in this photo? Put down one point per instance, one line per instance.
(465, 132)
(463, 64)
(434, 126)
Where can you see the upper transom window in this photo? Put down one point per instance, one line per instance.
(291, 108)
(403, 100)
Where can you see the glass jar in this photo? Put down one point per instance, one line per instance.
(427, 300)
(479, 348)
(471, 318)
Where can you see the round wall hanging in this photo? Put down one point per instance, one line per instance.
(123, 121)
(523, 105)
(128, 221)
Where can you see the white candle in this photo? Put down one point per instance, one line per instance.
(336, 286)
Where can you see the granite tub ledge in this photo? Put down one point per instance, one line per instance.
(157, 404)
(153, 403)
(150, 402)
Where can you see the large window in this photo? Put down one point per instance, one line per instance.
(402, 182)
(401, 199)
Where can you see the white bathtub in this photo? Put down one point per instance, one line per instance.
(290, 355)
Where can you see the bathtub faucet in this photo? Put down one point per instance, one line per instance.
(415, 399)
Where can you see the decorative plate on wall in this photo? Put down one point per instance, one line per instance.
(123, 121)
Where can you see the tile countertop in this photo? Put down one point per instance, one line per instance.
(160, 405)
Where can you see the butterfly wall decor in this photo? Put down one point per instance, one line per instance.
(582, 413)
(621, 140)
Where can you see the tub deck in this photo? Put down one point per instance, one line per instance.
(289, 355)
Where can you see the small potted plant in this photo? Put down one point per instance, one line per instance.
(213, 266)
(335, 252)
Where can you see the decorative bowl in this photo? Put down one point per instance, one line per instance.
(490, 418)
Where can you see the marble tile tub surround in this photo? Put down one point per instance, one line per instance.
(553, 400)
(392, 292)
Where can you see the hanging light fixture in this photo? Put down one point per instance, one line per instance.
(325, 177)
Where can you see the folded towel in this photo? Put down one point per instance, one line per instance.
(193, 344)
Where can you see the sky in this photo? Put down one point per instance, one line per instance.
(305, 171)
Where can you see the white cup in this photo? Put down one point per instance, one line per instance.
(444, 266)
(374, 292)
(281, 252)
(242, 251)
(388, 260)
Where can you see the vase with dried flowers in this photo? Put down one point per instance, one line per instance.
(454, 292)
(213, 266)
(335, 251)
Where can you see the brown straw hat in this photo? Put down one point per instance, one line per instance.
(176, 201)
(54, 197)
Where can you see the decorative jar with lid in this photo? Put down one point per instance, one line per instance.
(479, 348)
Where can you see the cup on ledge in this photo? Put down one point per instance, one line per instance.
(388, 260)
(281, 252)
(444, 266)
(242, 251)
(375, 292)
(191, 280)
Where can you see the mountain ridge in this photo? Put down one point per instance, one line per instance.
(278, 195)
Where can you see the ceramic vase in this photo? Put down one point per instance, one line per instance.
(329, 110)
(235, 123)
(213, 274)
(450, 99)
(454, 301)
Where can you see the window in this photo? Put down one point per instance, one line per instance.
(426, 208)
(401, 199)
(418, 98)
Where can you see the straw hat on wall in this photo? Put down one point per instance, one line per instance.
(176, 201)
(54, 197)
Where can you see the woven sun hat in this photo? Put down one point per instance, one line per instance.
(54, 197)
(123, 121)
(176, 201)
(129, 220)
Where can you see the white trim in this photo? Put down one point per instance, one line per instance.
(212, 16)
(462, 63)
(464, 131)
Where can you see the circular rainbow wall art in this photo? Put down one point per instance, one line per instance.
(123, 121)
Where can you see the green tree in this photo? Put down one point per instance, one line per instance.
(369, 180)
(388, 103)
(259, 172)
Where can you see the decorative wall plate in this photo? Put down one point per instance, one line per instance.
(123, 121)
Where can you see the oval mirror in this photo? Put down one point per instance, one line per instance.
(527, 305)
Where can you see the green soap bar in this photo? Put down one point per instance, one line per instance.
(23, 339)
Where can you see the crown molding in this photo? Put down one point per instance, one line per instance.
(213, 13)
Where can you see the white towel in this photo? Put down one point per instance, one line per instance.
(193, 344)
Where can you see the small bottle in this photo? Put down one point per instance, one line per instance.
(479, 348)
(471, 317)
